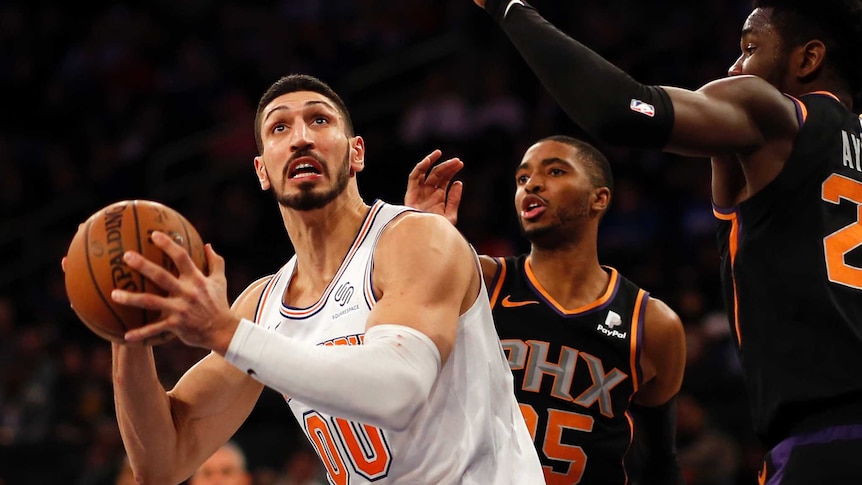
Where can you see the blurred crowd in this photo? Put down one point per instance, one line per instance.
(155, 100)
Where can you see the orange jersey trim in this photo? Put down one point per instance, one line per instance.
(635, 329)
(298, 313)
(631, 441)
(264, 296)
(825, 93)
(498, 280)
(734, 244)
(612, 286)
(801, 109)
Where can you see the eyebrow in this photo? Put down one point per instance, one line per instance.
(282, 107)
(547, 161)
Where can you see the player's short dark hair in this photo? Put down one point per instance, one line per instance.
(597, 164)
(291, 84)
(837, 23)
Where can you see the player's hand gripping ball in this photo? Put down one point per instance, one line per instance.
(94, 264)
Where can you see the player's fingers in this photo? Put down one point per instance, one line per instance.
(153, 272)
(177, 253)
(146, 301)
(63, 264)
(453, 201)
(215, 263)
(442, 174)
(432, 157)
(416, 180)
(155, 329)
(421, 168)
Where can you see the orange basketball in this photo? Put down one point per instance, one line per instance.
(94, 263)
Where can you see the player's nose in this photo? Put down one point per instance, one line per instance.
(534, 184)
(300, 137)
(735, 68)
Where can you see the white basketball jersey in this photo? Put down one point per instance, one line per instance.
(470, 432)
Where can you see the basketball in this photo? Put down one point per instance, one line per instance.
(94, 263)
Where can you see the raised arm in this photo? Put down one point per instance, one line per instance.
(733, 115)
(167, 435)
(430, 188)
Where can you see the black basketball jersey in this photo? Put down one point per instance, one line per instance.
(792, 277)
(575, 371)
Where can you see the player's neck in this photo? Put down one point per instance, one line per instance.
(322, 237)
(571, 275)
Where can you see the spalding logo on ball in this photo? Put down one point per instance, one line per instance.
(94, 263)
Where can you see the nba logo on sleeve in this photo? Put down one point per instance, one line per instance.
(639, 106)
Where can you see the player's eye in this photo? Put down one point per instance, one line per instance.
(556, 172)
(320, 120)
(521, 179)
(279, 127)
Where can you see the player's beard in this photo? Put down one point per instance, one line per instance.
(777, 74)
(310, 198)
(565, 231)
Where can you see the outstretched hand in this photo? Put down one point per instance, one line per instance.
(196, 307)
(434, 191)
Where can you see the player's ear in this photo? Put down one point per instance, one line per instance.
(262, 176)
(601, 200)
(356, 154)
(809, 58)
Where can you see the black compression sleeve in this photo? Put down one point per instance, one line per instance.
(655, 432)
(602, 99)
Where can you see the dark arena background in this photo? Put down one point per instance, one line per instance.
(155, 100)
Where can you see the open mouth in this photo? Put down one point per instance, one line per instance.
(305, 167)
(532, 207)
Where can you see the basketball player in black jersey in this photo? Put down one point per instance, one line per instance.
(590, 351)
(786, 154)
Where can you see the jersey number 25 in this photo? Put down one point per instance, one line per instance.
(554, 449)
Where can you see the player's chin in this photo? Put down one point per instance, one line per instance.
(531, 223)
(537, 228)
(307, 199)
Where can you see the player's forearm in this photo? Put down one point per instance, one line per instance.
(383, 383)
(659, 426)
(602, 99)
(144, 415)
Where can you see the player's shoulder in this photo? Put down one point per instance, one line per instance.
(663, 352)
(246, 303)
(420, 229)
(419, 219)
(663, 327)
(753, 93)
(741, 84)
(417, 239)
(660, 313)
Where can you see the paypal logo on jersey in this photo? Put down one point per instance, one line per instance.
(611, 321)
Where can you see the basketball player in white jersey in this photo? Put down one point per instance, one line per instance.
(378, 331)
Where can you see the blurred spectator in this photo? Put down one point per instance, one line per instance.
(104, 101)
(302, 468)
(227, 466)
(438, 112)
(706, 455)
